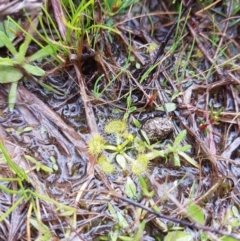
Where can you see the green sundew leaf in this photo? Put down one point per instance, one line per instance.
(178, 236)
(176, 159)
(10, 29)
(185, 148)
(196, 213)
(139, 145)
(144, 134)
(180, 137)
(12, 96)
(121, 220)
(34, 70)
(9, 74)
(42, 53)
(168, 107)
(7, 42)
(188, 159)
(120, 159)
(19, 172)
(130, 188)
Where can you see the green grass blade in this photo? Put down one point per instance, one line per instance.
(19, 172)
(7, 42)
(12, 96)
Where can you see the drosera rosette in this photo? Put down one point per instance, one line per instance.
(105, 165)
(140, 165)
(116, 127)
(96, 145)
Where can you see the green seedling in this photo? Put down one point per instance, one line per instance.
(144, 187)
(130, 108)
(176, 150)
(13, 69)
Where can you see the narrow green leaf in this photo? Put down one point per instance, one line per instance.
(176, 159)
(122, 221)
(188, 159)
(46, 168)
(28, 129)
(132, 108)
(180, 137)
(226, 238)
(112, 211)
(34, 70)
(130, 188)
(20, 57)
(31, 159)
(136, 122)
(185, 148)
(7, 42)
(43, 230)
(125, 238)
(129, 101)
(10, 30)
(42, 53)
(144, 134)
(67, 213)
(11, 208)
(7, 62)
(49, 88)
(19, 172)
(12, 96)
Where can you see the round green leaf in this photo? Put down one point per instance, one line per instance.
(9, 74)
